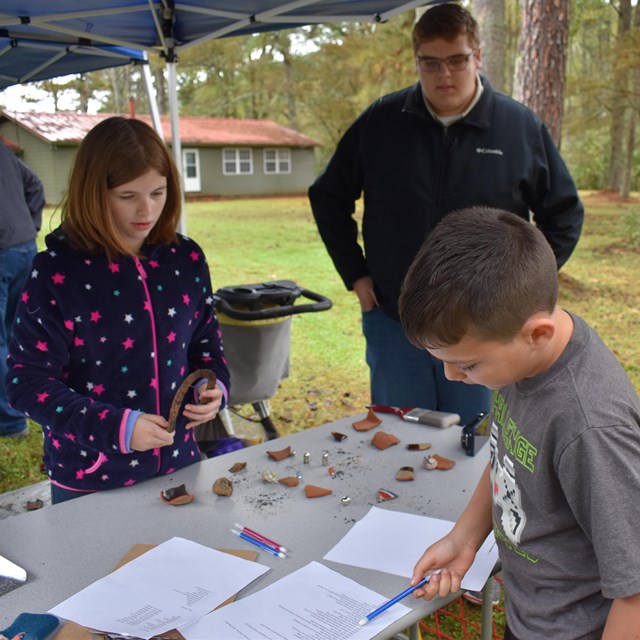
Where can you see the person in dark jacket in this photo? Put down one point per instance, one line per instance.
(22, 200)
(448, 142)
(118, 311)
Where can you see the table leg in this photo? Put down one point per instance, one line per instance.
(487, 610)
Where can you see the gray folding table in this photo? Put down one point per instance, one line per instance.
(68, 546)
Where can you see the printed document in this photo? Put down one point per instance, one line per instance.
(312, 603)
(172, 584)
(393, 541)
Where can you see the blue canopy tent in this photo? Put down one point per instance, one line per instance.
(167, 27)
(27, 60)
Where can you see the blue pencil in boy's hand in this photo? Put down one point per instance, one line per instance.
(382, 608)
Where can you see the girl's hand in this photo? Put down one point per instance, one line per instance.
(207, 408)
(150, 432)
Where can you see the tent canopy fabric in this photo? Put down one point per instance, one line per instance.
(167, 27)
(28, 60)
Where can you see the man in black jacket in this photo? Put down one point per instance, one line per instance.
(21, 203)
(448, 142)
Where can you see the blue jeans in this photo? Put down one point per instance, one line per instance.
(402, 375)
(15, 266)
(58, 494)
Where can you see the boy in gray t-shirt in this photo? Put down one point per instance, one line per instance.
(561, 490)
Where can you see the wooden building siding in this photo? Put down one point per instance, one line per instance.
(52, 162)
(215, 183)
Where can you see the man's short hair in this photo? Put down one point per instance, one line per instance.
(481, 273)
(448, 21)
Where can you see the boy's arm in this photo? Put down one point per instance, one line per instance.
(623, 622)
(454, 553)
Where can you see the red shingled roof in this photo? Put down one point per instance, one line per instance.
(69, 128)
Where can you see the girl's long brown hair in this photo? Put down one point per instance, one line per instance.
(116, 151)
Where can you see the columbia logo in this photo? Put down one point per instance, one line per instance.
(497, 152)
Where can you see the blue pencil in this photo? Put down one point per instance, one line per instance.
(257, 543)
(382, 608)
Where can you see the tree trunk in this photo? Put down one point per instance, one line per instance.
(619, 105)
(634, 109)
(541, 72)
(490, 15)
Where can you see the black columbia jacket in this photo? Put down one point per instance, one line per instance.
(413, 171)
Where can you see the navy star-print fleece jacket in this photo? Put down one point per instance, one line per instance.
(96, 340)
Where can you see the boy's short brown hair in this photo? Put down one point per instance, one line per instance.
(448, 21)
(481, 272)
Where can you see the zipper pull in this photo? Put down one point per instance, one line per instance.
(140, 268)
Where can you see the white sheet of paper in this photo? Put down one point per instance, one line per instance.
(393, 541)
(310, 603)
(168, 586)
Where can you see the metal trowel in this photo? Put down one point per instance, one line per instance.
(11, 575)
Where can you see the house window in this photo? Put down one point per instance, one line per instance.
(237, 162)
(277, 161)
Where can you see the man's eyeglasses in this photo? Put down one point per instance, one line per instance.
(453, 63)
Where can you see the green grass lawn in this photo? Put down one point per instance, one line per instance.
(253, 240)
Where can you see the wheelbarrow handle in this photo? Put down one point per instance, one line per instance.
(321, 303)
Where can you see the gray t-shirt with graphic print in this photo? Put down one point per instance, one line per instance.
(565, 472)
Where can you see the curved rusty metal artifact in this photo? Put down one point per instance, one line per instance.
(187, 383)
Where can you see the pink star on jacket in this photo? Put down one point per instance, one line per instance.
(42, 346)
(68, 324)
(41, 397)
(172, 337)
(114, 267)
(128, 343)
(98, 389)
(186, 299)
(78, 342)
(147, 306)
(24, 297)
(103, 414)
(195, 256)
(70, 436)
(57, 278)
(95, 316)
(56, 443)
(154, 264)
(154, 383)
(128, 483)
(79, 474)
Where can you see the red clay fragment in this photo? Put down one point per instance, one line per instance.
(404, 474)
(383, 440)
(290, 481)
(444, 463)
(280, 455)
(419, 446)
(368, 423)
(177, 496)
(316, 492)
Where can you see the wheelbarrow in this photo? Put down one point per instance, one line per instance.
(255, 322)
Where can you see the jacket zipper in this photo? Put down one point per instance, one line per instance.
(143, 278)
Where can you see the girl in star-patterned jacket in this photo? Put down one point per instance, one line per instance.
(117, 312)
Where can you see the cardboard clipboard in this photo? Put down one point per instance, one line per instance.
(73, 631)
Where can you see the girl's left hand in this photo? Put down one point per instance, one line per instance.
(207, 408)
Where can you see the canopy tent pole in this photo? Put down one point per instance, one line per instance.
(175, 134)
(152, 97)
